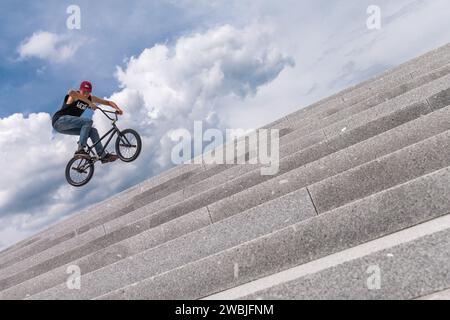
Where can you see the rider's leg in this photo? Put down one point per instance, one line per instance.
(68, 125)
(86, 126)
(70, 132)
(93, 134)
(74, 126)
(105, 156)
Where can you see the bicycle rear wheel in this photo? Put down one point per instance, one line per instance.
(128, 145)
(79, 171)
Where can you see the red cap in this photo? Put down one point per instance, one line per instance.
(86, 86)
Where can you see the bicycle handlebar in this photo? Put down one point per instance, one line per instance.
(106, 111)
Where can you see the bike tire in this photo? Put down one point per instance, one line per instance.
(90, 168)
(138, 147)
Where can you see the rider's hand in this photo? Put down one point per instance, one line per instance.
(115, 106)
(93, 106)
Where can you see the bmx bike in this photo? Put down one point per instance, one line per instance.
(80, 169)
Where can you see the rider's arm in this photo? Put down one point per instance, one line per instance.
(74, 95)
(107, 103)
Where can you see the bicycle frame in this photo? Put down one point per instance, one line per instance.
(85, 165)
(112, 132)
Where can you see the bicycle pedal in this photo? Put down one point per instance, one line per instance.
(80, 156)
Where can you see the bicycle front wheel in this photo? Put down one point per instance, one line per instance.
(79, 171)
(128, 145)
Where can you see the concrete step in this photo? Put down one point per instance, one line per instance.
(244, 200)
(343, 160)
(388, 142)
(405, 265)
(51, 234)
(338, 113)
(390, 160)
(363, 126)
(263, 219)
(413, 68)
(441, 295)
(136, 199)
(296, 141)
(372, 177)
(361, 91)
(326, 131)
(422, 64)
(376, 216)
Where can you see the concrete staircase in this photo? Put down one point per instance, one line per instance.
(359, 210)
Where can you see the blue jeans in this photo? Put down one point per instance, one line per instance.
(79, 126)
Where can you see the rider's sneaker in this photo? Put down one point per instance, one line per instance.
(81, 153)
(109, 157)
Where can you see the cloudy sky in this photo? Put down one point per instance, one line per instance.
(230, 64)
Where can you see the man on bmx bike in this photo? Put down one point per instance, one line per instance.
(68, 120)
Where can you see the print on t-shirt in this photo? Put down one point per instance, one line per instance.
(81, 105)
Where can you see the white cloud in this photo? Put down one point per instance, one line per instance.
(165, 88)
(197, 69)
(228, 76)
(49, 46)
(168, 87)
(31, 184)
(333, 49)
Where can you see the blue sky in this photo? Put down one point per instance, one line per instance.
(116, 31)
(231, 64)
